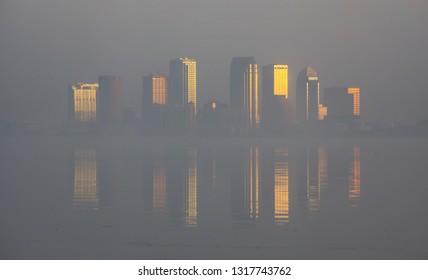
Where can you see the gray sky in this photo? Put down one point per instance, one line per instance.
(380, 46)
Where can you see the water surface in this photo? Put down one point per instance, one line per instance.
(213, 199)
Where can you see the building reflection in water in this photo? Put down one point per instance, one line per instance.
(313, 189)
(312, 176)
(281, 186)
(354, 189)
(252, 183)
(323, 167)
(245, 183)
(159, 180)
(191, 189)
(85, 179)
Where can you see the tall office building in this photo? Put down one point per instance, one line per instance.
(109, 99)
(274, 95)
(275, 80)
(82, 102)
(182, 82)
(244, 88)
(307, 95)
(155, 91)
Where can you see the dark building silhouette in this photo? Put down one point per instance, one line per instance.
(244, 89)
(339, 103)
(109, 103)
(307, 95)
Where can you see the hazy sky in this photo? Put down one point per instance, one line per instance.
(378, 45)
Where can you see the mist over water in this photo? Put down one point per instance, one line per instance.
(147, 198)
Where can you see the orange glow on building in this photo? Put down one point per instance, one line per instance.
(84, 98)
(355, 92)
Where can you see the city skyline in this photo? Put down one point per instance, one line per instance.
(50, 45)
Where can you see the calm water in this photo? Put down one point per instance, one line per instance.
(222, 199)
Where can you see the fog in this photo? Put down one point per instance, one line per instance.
(379, 46)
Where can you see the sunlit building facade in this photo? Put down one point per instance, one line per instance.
(82, 102)
(307, 95)
(355, 92)
(244, 89)
(275, 80)
(274, 96)
(155, 89)
(155, 92)
(183, 82)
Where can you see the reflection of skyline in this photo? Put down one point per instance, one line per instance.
(281, 185)
(261, 186)
(159, 180)
(85, 179)
(354, 190)
(252, 183)
(191, 189)
(313, 188)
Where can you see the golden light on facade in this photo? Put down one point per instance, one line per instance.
(85, 102)
(355, 92)
(190, 81)
(160, 86)
(280, 80)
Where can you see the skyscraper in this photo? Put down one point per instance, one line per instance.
(109, 99)
(244, 88)
(155, 91)
(82, 102)
(274, 95)
(307, 95)
(275, 80)
(182, 82)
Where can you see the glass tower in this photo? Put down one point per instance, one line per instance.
(182, 82)
(244, 88)
(307, 95)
